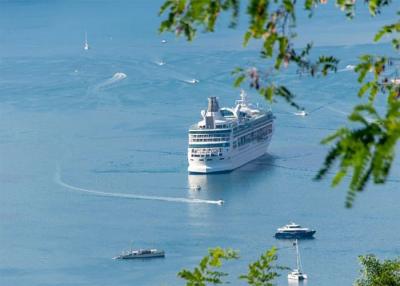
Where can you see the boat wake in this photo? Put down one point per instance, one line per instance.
(159, 63)
(114, 79)
(338, 111)
(191, 81)
(348, 68)
(59, 181)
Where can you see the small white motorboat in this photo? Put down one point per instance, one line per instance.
(395, 81)
(192, 81)
(301, 113)
(86, 44)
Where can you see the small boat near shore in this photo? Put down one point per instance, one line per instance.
(294, 231)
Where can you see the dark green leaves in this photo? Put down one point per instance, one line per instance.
(390, 30)
(207, 271)
(271, 91)
(185, 16)
(366, 151)
(263, 271)
(375, 6)
(363, 152)
(378, 273)
(270, 21)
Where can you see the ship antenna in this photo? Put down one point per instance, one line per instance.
(242, 94)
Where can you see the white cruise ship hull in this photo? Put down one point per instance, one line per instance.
(228, 138)
(234, 160)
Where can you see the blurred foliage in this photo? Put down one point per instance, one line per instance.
(366, 149)
(207, 271)
(263, 271)
(260, 273)
(379, 273)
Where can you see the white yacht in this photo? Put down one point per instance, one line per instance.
(227, 138)
(294, 231)
(297, 273)
(140, 253)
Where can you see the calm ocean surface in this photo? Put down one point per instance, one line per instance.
(69, 124)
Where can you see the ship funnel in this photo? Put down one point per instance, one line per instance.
(213, 104)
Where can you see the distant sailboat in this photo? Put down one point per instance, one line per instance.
(297, 273)
(86, 45)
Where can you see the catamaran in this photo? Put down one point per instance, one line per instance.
(297, 273)
(227, 138)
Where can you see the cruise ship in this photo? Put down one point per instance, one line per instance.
(227, 138)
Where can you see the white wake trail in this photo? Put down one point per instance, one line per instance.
(58, 180)
(348, 68)
(337, 111)
(114, 79)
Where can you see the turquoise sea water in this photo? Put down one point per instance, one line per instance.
(69, 124)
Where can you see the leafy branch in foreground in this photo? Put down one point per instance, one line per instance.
(368, 151)
(270, 21)
(206, 271)
(260, 273)
(363, 152)
(377, 273)
(263, 272)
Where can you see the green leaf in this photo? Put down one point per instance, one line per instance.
(239, 80)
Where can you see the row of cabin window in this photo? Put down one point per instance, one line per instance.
(218, 126)
(255, 124)
(206, 150)
(206, 155)
(216, 139)
(208, 159)
(208, 135)
(255, 135)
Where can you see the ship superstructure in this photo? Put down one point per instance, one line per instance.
(227, 138)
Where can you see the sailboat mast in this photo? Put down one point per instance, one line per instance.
(298, 256)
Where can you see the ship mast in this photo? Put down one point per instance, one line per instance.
(298, 261)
